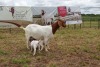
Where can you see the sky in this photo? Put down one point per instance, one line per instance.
(86, 6)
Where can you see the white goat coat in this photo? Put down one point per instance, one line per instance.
(36, 44)
(47, 18)
(38, 32)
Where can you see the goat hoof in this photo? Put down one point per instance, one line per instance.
(28, 48)
(41, 49)
(46, 50)
(33, 54)
(48, 47)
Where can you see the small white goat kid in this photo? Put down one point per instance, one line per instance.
(36, 44)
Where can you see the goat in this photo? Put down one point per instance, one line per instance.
(41, 32)
(47, 18)
(34, 44)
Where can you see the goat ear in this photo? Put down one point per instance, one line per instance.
(62, 20)
(59, 23)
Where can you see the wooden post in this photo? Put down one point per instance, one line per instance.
(90, 22)
(68, 25)
(80, 26)
(74, 26)
(10, 30)
(83, 23)
(98, 23)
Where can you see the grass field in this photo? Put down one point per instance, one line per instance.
(69, 48)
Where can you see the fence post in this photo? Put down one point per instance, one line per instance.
(83, 23)
(68, 25)
(90, 22)
(80, 26)
(98, 23)
(74, 26)
(10, 30)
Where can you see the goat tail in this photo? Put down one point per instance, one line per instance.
(40, 41)
(22, 27)
(18, 25)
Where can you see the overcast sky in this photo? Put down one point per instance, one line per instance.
(87, 6)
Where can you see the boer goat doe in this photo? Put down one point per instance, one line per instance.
(39, 32)
(44, 33)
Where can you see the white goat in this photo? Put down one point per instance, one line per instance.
(36, 44)
(48, 18)
(44, 33)
(39, 32)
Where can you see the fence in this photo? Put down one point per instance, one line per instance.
(88, 22)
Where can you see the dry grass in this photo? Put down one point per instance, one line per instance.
(69, 48)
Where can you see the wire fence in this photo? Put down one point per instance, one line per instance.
(87, 22)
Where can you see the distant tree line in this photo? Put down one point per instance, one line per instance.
(90, 17)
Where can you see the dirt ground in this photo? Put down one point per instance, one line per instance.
(68, 48)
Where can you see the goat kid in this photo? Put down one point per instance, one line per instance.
(34, 44)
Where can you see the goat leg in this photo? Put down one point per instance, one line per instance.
(34, 51)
